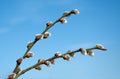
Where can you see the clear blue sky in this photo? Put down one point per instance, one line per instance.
(98, 22)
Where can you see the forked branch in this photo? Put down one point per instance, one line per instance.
(17, 72)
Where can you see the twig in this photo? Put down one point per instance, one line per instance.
(40, 63)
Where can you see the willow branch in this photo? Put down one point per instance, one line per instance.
(61, 19)
(40, 63)
(65, 56)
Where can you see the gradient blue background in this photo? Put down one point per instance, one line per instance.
(98, 22)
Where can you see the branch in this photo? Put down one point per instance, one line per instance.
(38, 37)
(17, 72)
(65, 56)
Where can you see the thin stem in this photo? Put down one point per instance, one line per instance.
(37, 64)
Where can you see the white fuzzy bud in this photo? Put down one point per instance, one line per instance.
(41, 61)
(75, 11)
(30, 44)
(90, 52)
(11, 76)
(83, 51)
(38, 37)
(46, 35)
(100, 46)
(38, 68)
(48, 24)
(63, 20)
(47, 63)
(29, 54)
(57, 54)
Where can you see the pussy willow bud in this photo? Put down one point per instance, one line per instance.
(38, 37)
(38, 68)
(29, 54)
(66, 57)
(19, 61)
(47, 63)
(63, 20)
(100, 47)
(83, 51)
(57, 54)
(48, 24)
(90, 52)
(66, 13)
(70, 53)
(46, 35)
(30, 44)
(52, 61)
(75, 11)
(11, 76)
(17, 70)
(41, 61)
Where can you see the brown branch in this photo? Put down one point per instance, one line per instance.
(49, 59)
(65, 56)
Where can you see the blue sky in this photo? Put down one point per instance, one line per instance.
(98, 22)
